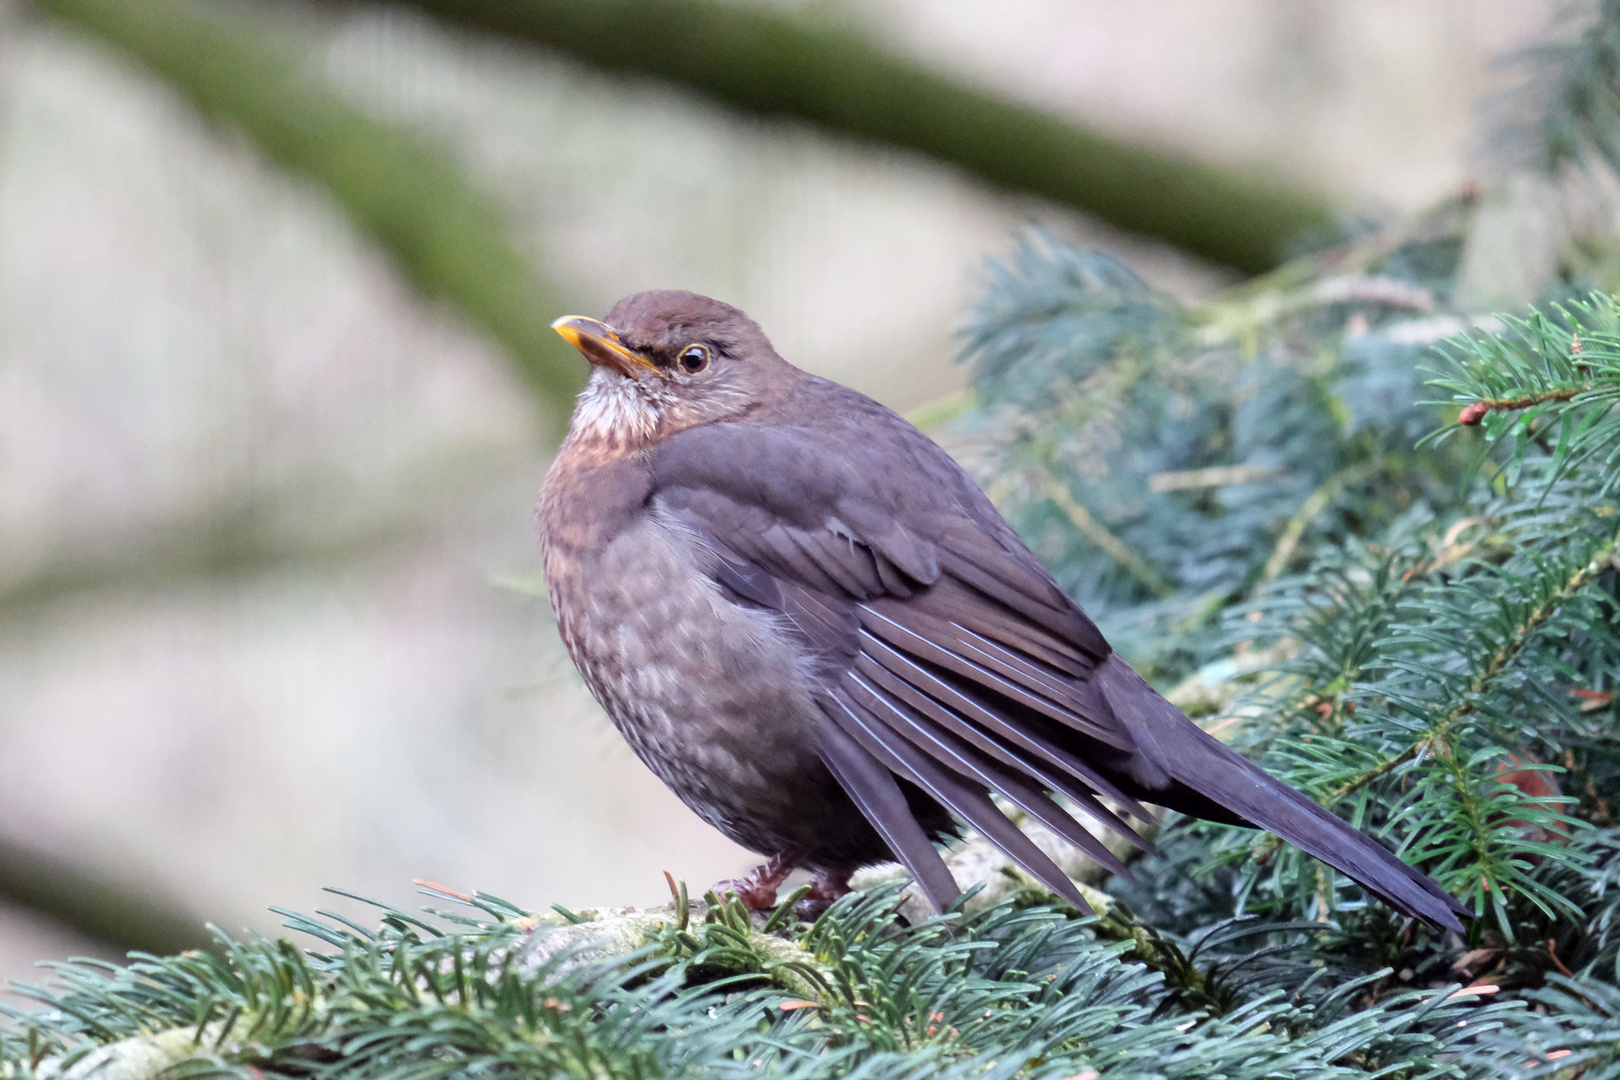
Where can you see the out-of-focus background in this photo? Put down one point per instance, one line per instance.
(270, 614)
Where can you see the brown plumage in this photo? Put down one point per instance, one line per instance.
(809, 622)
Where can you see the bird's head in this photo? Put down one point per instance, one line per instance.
(667, 360)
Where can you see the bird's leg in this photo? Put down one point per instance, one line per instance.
(757, 888)
(826, 887)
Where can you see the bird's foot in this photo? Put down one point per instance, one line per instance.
(827, 887)
(757, 888)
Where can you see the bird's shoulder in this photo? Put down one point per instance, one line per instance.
(827, 451)
(831, 491)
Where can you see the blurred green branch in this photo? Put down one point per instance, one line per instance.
(116, 912)
(448, 238)
(312, 521)
(755, 60)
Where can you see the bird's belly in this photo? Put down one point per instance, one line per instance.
(711, 696)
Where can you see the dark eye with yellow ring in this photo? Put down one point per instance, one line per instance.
(694, 358)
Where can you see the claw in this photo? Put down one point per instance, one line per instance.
(757, 888)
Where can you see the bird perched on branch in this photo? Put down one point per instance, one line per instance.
(809, 622)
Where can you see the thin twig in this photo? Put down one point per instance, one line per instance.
(1475, 413)
(1314, 504)
(1098, 533)
(1212, 477)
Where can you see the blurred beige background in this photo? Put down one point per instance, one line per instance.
(267, 572)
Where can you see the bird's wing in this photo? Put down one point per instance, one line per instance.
(950, 659)
(946, 654)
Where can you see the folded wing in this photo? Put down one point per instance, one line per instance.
(943, 659)
(946, 657)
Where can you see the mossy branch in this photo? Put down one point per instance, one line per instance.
(759, 61)
(117, 913)
(447, 237)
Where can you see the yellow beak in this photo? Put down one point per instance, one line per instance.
(599, 343)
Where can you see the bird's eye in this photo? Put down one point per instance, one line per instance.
(694, 358)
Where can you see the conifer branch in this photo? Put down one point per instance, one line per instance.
(1024, 988)
(1437, 738)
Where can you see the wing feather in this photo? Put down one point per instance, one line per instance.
(1077, 696)
(954, 601)
(780, 554)
(1011, 575)
(880, 799)
(854, 569)
(976, 758)
(969, 801)
(1057, 771)
(907, 637)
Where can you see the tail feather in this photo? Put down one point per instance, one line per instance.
(1175, 753)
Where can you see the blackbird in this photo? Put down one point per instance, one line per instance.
(813, 626)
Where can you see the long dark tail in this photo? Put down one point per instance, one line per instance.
(1179, 758)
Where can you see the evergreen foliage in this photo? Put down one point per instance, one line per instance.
(1243, 482)
(1166, 461)
(1003, 993)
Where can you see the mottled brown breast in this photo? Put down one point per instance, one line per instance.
(591, 493)
(711, 695)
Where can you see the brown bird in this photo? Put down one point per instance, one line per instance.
(809, 622)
